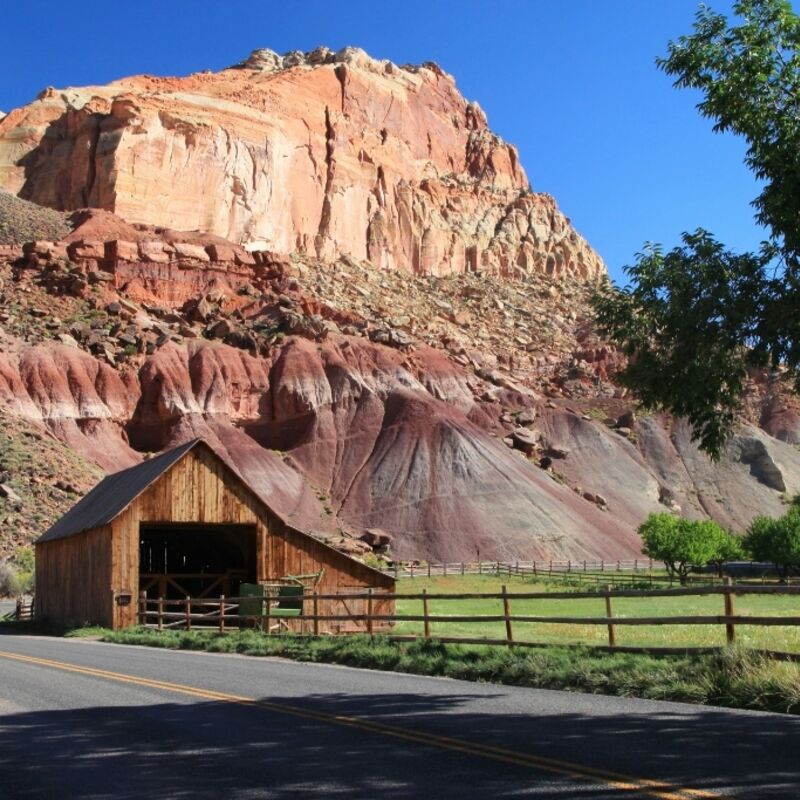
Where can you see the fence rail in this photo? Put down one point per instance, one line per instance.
(419, 569)
(223, 614)
(640, 570)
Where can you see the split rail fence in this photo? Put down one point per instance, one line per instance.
(222, 615)
(633, 572)
(420, 569)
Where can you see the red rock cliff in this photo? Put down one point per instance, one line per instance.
(322, 153)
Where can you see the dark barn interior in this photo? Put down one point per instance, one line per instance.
(195, 560)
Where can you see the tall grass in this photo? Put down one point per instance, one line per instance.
(735, 678)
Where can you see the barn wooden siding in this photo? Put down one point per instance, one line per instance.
(199, 488)
(72, 579)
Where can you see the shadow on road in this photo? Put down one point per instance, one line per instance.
(217, 750)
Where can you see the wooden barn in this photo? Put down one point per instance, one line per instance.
(180, 524)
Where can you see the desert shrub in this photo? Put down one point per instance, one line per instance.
(9, 580)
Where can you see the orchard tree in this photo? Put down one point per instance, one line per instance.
(776, 541)
(683, 544)
(695, 318)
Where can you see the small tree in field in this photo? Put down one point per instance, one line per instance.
(731, 548)
(776, 540)
(683, 544)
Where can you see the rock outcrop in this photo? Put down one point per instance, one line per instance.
(453, 415)
(320, 153)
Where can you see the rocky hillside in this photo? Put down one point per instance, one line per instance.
(452, 406)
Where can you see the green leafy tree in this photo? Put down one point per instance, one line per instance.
(730, 548)
(776, 541)
(697, 317)
(683, 544)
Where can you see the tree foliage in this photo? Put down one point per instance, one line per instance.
(776, 540)
(683, 544)
(697, 317)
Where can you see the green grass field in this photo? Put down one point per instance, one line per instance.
(771, 638)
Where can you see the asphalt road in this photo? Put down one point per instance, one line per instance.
(90, 720)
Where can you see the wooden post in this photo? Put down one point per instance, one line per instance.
(444, 568)
(188, 613)
(602, 565)
(369, 611)
(267, 609)
(315, 606)
(429, 569)
(730, 629)
(161, 613)
(480, 568)
(462, 567)
(507, 614)
(143, 608)
(612, 635)
(222, 613)
(395, 570)
(411, 567)
(426, 622)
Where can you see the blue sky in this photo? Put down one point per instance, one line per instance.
(571, 82)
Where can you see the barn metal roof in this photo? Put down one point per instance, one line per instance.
(114, 494)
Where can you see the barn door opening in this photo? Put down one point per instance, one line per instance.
(194, 560)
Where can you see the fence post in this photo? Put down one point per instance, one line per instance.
(143, 608)
(18, 610)
(429, 569)
(188, 613)
(730, 629)
(444, 568)
(507, 615)
(480, 568)
(395, 570)
(426, 621)
(161, 613)
(612, 635)
(411, 566)
(222, 613)
(602, 565)
(369, 611)
(267, 609)
(315, 608)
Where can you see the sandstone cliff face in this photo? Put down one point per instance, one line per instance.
(320, 153)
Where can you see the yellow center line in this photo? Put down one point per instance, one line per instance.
(660, 789)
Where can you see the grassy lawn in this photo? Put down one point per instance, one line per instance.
(773, 638)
